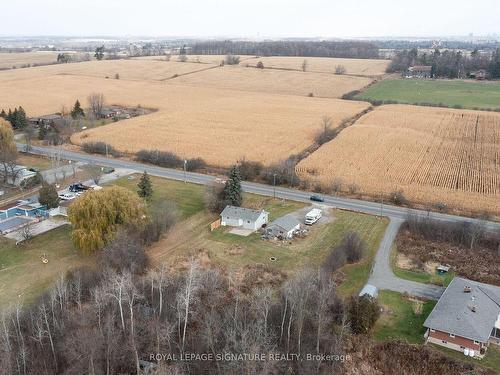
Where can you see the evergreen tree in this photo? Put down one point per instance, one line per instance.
(3, 114)
(48, 196)
(232, 190)
(145, 187)
(22, 120)
(99, 53)
(77, 111)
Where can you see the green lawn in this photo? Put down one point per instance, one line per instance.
(188, 198)
(420, 276)
(23, 276)
(401, 318)
(446, 92)
(491, 360)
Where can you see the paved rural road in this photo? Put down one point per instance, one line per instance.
(382, 275)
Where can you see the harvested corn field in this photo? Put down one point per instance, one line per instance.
(22, 59)
(125, 69)
(365, 67)
(431, 154)
(276, 81)
(220, 126)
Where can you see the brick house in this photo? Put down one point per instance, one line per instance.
(466, 317)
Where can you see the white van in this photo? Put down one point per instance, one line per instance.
(313, 216)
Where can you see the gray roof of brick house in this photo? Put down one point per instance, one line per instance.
(454, 311)
(243, 213)
(287, 222)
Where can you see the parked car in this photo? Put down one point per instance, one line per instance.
(66, 196)
(78, 187)
(317, 198)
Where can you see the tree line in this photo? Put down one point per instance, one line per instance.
(448, 63)
(347, 49)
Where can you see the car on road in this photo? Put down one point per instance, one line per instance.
(317, 198)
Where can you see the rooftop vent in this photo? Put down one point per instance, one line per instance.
(467, 289)
(473, 308)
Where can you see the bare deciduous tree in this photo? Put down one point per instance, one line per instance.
(96, 103)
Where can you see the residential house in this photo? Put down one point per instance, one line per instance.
(17, 174)
(479, 75)
(283, 227)
(243, 217)
(466, 317)
(419, 71)
(46, 120)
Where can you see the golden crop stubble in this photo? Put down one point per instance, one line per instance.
(432, 154)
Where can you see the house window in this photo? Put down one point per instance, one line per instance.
(452, 335)
(444, 342)
(476, 342)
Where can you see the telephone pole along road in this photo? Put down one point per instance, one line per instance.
(382, 275)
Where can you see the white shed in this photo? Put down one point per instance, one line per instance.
(243, 217)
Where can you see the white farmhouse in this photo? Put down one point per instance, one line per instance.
(243, 217)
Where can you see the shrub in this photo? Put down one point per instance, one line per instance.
(125, 253)
(353, 246)
(232, 59)
(398, 198)
(260, 65)
(195, 164)
(161, 158)
(363, 312)
(100, 148)
(250, 170)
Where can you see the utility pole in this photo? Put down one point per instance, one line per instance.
(106, 150)
(381, 204)
(274, 185)
(185, 162)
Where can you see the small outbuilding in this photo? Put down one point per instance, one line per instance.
(242, 217)
(284, 227)
(369, 290)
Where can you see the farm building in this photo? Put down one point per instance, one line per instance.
(46, 121)
(243, 217)
(419, 71)
(284, 227)
(466, 317)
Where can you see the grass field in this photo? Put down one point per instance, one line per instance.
(276, 81)
(431, 154)
(366, 67)
(191, 236)
(401, 318)
(444, 92)
(23, 276)
(491, 360)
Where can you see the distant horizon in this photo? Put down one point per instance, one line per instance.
(273, 19)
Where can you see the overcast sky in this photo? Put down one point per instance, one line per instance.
(250, 18)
